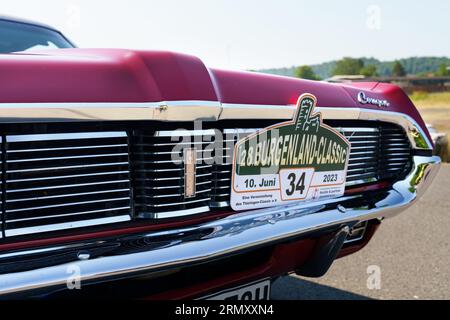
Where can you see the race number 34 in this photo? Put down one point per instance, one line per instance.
(295, 183)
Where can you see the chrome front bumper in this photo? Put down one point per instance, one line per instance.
(238, 232)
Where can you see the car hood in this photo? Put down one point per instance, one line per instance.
(116, 75)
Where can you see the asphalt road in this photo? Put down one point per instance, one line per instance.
(410, 251)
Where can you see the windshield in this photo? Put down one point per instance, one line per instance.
(15, 37)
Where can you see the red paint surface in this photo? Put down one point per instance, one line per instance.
(370, 187)
(284, 258)
(103, 75)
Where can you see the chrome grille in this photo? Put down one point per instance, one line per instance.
(159, 173)
(222, 171)
(62, 181)
(377, 153)
(59, 181)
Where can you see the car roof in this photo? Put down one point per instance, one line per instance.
(25, 21)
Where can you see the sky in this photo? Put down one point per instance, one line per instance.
(251, 34)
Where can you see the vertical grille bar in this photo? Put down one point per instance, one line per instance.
(3, 184)
(131, 174)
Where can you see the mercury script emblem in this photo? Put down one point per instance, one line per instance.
(362, 98)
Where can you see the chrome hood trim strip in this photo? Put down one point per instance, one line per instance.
(230, 235)
(103, 111)
(195, 110)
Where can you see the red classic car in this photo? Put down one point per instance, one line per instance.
(146, 174)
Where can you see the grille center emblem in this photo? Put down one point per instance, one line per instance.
(190, 160)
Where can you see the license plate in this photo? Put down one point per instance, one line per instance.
(250, 292)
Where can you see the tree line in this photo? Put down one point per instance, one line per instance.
(369, 67)
(352, 66)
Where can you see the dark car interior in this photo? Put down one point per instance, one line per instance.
(17, 36)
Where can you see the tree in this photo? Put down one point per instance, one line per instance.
(305, 72)
(369, 71)
(398, 70)
(443, 71)
(348, 66)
